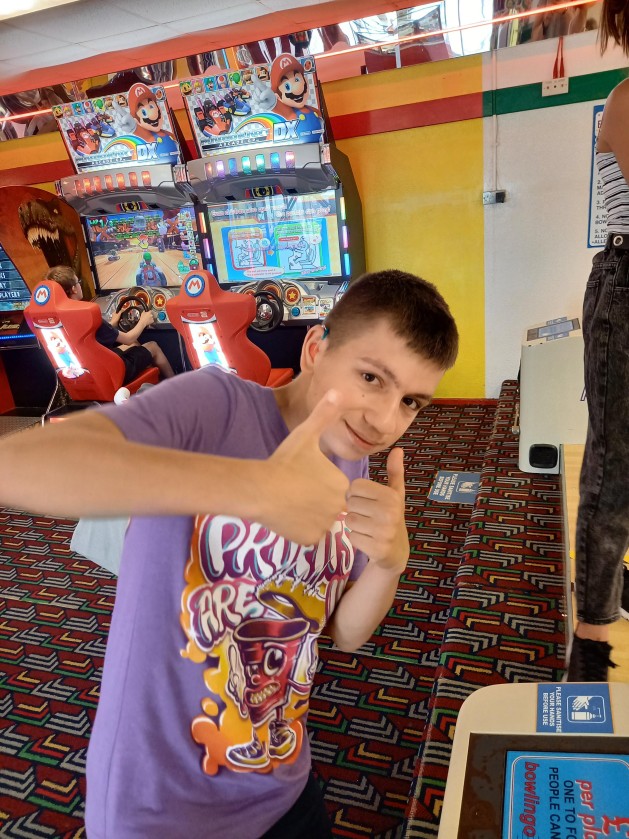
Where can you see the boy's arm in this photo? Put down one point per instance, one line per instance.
(375, 519)
(77, 468)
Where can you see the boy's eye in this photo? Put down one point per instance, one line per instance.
(411, 403)
(369, 377)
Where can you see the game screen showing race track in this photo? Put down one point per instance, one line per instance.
(281, 237)
(144, 248)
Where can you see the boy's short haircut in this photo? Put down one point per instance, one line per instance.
(64, 275)
(414, 308)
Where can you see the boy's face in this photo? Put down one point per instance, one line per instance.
(383, 385)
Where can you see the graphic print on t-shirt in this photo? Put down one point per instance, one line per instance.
(252, 610)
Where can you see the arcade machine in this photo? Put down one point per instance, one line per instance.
(540, 760)
(281, 218)
(553, 407)
(132, 193)
(16, 340)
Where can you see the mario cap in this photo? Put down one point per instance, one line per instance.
(284, 64)
(139, 93)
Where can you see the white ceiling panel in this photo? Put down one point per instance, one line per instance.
(213, 19)
(129, 40)
(79, 21)
(167, 11)
(47, 58)
(16, 42)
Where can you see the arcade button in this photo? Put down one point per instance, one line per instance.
(161, 316)
(295, 311)
(292, 294)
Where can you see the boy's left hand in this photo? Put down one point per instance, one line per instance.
(375, 516)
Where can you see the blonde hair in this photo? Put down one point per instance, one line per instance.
(65, 276)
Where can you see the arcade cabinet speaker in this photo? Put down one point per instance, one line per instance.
(553, 410)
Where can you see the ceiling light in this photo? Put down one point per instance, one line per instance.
(15, 8)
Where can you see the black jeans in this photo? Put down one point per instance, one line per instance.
(306, 819)
(603, 518)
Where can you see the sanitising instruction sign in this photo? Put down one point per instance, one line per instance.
(597, 224)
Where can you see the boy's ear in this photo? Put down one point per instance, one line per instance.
(312, 346)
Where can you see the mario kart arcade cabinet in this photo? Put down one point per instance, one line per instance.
(281, 219)
(131, 191)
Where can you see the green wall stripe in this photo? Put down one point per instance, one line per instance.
(528, 97)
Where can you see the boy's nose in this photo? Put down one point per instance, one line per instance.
(383, 417)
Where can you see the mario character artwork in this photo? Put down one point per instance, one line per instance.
(149, 274)
(207, 346)
(145, 109)
(289, 84)
(66, 363)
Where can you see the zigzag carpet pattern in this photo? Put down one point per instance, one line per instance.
(55, 609)
(506, 622)
(369, 709)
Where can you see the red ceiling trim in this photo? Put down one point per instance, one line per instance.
(265, 26)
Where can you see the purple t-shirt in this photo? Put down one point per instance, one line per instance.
(200, 728)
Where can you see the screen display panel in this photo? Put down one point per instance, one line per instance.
(14, 293)
(284, 237)
(143, 248)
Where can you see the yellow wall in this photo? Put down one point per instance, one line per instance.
(421, 195)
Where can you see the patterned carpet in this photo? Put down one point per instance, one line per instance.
(369, 709)
(373, 712)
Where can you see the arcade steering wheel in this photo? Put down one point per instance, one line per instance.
(269, 311)
(131, 314)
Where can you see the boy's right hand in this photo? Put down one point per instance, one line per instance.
(307, 490)
(146, 319)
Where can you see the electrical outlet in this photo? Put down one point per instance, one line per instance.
(555, 87)
(497, 197)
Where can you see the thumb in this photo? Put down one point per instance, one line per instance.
(395, 470)
(325, 412)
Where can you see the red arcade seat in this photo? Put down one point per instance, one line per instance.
(213, 324)
(66, 330)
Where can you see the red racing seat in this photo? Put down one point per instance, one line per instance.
(66, 331)
(213, 324)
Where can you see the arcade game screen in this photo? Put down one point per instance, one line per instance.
(14, 297)
(146, 247)
(282, 236)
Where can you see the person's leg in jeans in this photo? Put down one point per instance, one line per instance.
(603, 516)
(306, 819)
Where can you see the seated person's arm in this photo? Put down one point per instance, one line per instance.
(375, 518)
(131, 337)
(84, 466)
(114, 320)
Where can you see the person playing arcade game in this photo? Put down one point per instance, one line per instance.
(291, 88)
(137, 357)
(256, 528)
(149, 274)
(144, 107)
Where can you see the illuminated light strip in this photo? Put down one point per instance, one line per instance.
(202, 223)
(345, 238)
(342, 207)
(359, 47)
(146, 178)
(120, 180)
(97, 184)
(133, 179)
(109, 182)
(290, 159)
(493, 22)
(206, 248)
(87, 186)
(348, 270)
(208, 170)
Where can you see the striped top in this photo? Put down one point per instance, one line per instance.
(615, 192)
